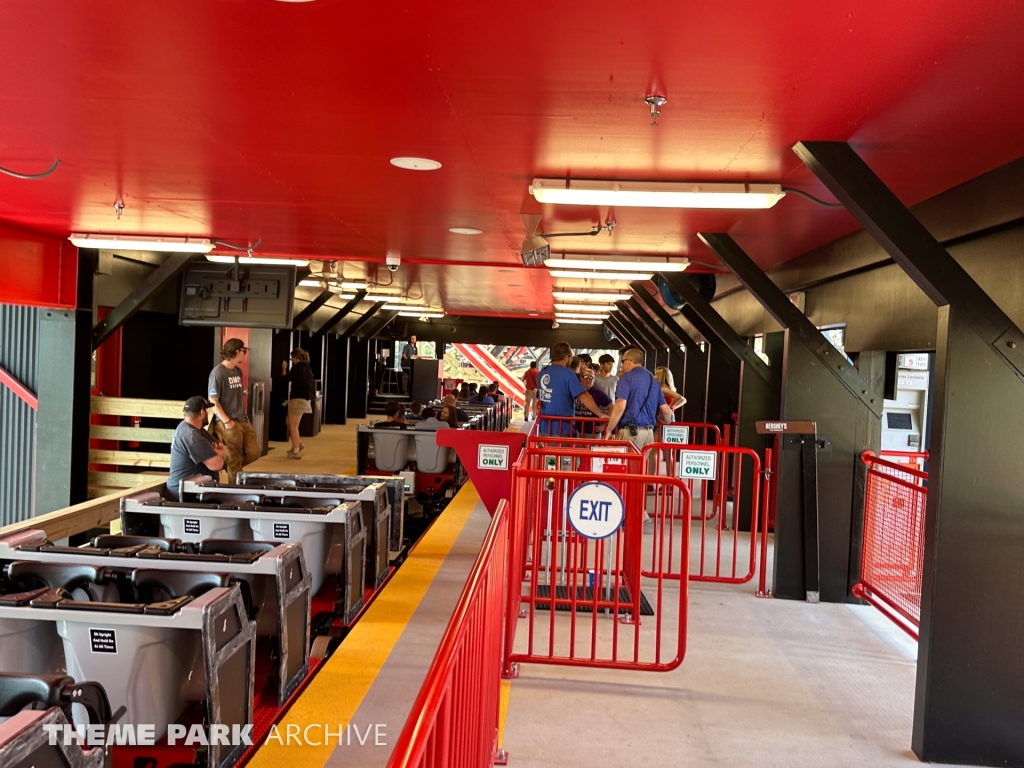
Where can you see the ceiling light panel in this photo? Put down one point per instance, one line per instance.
(652, 194)
(257, 260)
(588, 296)
(585, 308)
(580, 316)
(567, 321)
(142, 243)
(615, 264)
(434, 315)
(465, 231)
(581, 275)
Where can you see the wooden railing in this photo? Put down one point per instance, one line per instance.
(105, 475)
(95, 513)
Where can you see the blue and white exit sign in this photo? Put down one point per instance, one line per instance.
(595, 510)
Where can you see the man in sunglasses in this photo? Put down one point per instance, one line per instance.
(231, 424)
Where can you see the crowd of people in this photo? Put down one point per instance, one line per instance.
(634, 401)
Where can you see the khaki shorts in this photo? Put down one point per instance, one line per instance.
(298, 407)
(643, 437)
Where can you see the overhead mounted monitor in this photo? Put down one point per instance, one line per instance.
(245, 296)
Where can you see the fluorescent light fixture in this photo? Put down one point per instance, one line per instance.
(310, 283)
(585, 296)
(142, 243)
(566, 321)
(655, 194)
(623, 266)
(345, 296)
(415, 163)
(406, 305)
(585, 308)
(388, 297)
(408, 313)
(465, 231)
(580, 316)
(581, 275)
(346, 286)
(258, 260)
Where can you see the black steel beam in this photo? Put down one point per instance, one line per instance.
(650, 305)
(969, 695)
(639, 332)
(788, 316)
(353, 329)
(912, 246)
(311, 309)
(142, 293)
(621, 332)
(352, 304)
(627, 335)
(653, 326)
(719, 327)
(382, 321)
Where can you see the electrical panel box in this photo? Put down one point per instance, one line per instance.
(253, 296)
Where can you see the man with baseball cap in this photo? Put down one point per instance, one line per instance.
(193, 451)
(231, 425)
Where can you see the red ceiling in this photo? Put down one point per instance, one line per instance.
(246, 119)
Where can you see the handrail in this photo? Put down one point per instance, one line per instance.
(79, 518)
(867, 457)
(24, 393)
(419, 729)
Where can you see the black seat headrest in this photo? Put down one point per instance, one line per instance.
(118, 541)
(177, 583)
(309, 503)
(68, 576)
(230, 498)
(233, 546)
(18, 692)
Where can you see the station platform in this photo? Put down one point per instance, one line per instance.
(372, 680)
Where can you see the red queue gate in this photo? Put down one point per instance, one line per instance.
(582, 599)
(726, 554)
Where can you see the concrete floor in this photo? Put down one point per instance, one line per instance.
(764, 683)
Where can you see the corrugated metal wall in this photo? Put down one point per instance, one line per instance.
(19, 355)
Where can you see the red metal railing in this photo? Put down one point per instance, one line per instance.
(892, 557)
(454, 721)
(727, 553)
(582, 600)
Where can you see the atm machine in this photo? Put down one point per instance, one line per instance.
(904, 418)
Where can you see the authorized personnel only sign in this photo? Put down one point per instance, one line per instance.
(676, 435)
(595, 510)
(492, 457)
(697, 465)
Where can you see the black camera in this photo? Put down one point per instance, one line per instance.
(633, 430)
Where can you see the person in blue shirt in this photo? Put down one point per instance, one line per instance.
(557, 390)
(639, 403)
(482, 398)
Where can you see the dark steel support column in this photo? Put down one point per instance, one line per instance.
(621, 332)
(142, 293)
(654, 328)
(695, 368)
(311, 308)
(758, 384)
(323, 329)
(636, 327)
(353, 329)
(819, 385)
(336, 392)
(970, 681)
(382, 321)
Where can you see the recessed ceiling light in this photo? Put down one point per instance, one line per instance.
(462, 230)
(415, 163)
(534, 314)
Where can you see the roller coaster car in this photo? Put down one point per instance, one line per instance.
(183, 653)
(35, 704)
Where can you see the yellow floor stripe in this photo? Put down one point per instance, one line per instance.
(338, 689)
(506, 689)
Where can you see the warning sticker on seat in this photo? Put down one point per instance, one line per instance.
(103, 640)
(192, 526)
(282, 531)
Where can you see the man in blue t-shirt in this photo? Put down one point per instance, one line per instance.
(639, 403)
(557, 390)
